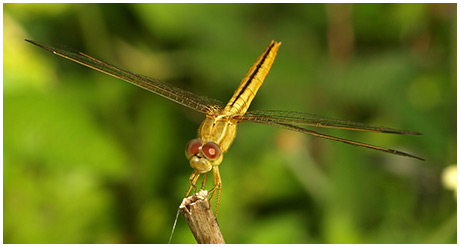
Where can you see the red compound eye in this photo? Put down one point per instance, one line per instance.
(193, 147)
(211, 150)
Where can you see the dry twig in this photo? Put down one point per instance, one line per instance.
(201, 219)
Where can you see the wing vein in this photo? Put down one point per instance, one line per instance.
(299, 118)
(317, 134)
(196, 102)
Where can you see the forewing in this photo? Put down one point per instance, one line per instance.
(298, 118)
(183, 97)
(314, 133)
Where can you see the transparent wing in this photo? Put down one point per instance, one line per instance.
(186, 98)
(291, 121)
(316, 120)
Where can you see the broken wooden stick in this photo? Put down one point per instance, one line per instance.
(200, 219)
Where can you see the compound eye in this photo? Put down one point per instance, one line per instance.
(193, 147)
(211, 150)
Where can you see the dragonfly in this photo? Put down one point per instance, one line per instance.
(217, 132)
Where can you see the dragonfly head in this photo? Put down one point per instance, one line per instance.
(203, 157)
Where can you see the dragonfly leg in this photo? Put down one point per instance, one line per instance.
(193, 178)
(204, 181)
(217, 187)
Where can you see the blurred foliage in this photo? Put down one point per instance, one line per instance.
(91, 159)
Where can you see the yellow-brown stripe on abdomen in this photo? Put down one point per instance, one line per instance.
(252, 81)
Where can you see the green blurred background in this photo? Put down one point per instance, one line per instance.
(92, 159)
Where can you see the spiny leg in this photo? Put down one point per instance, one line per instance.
(204, 181)
(193, 178)
(217, 187)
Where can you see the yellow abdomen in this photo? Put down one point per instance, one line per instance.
(220, 127)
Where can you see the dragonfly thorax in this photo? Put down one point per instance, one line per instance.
(218, 129)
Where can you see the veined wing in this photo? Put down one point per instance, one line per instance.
(183, 97)
(292, 120)
(301, 118)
